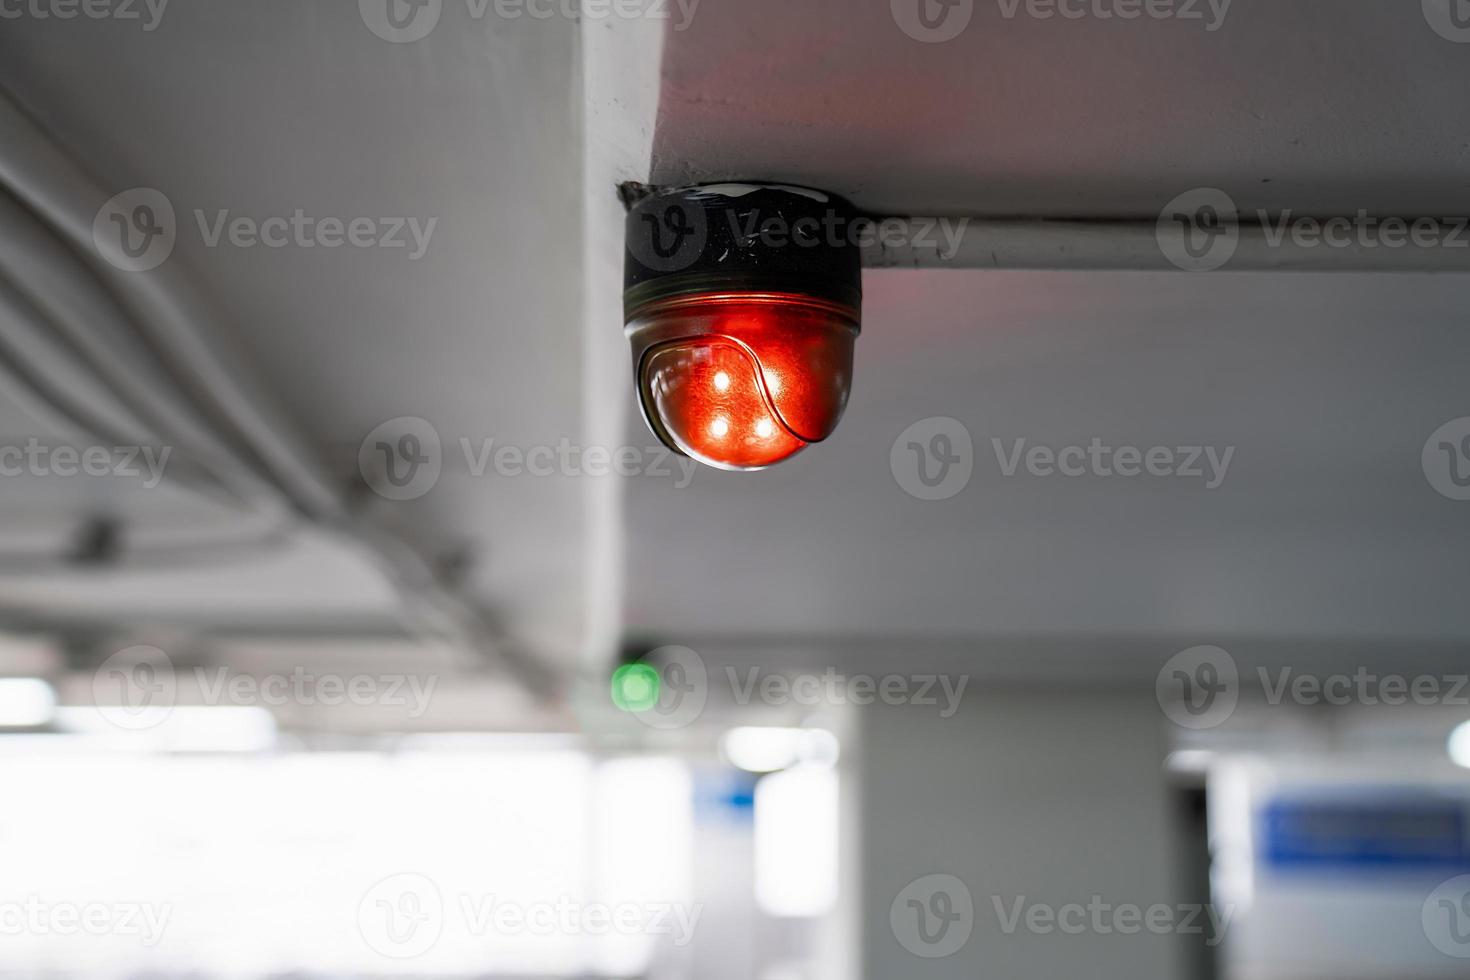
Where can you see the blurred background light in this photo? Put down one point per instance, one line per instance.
(764, 750)
(796, 849)
(635, 687)
(26, 702)
(1459, 745)
(184, 728)
(643, 848)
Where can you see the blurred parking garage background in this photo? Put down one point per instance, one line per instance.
(352, 624)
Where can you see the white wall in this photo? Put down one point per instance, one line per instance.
(1057, 797)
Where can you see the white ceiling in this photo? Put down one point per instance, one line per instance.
(1326, 385)
(1325, 531)
(1325, 526)
(267, 107)
(1324, 106)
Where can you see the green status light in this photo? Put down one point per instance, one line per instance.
(635, 687)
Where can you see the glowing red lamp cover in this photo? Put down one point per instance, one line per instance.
(755, 366)
(763, 377)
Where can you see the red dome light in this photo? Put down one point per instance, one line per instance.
(743, 382)
(742, 309)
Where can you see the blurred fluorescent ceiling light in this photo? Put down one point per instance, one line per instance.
(1189, 761)
(772, 749)
(640, 801)
(26, 702)
(182, 728)
(796, 842)
(1459, 745)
